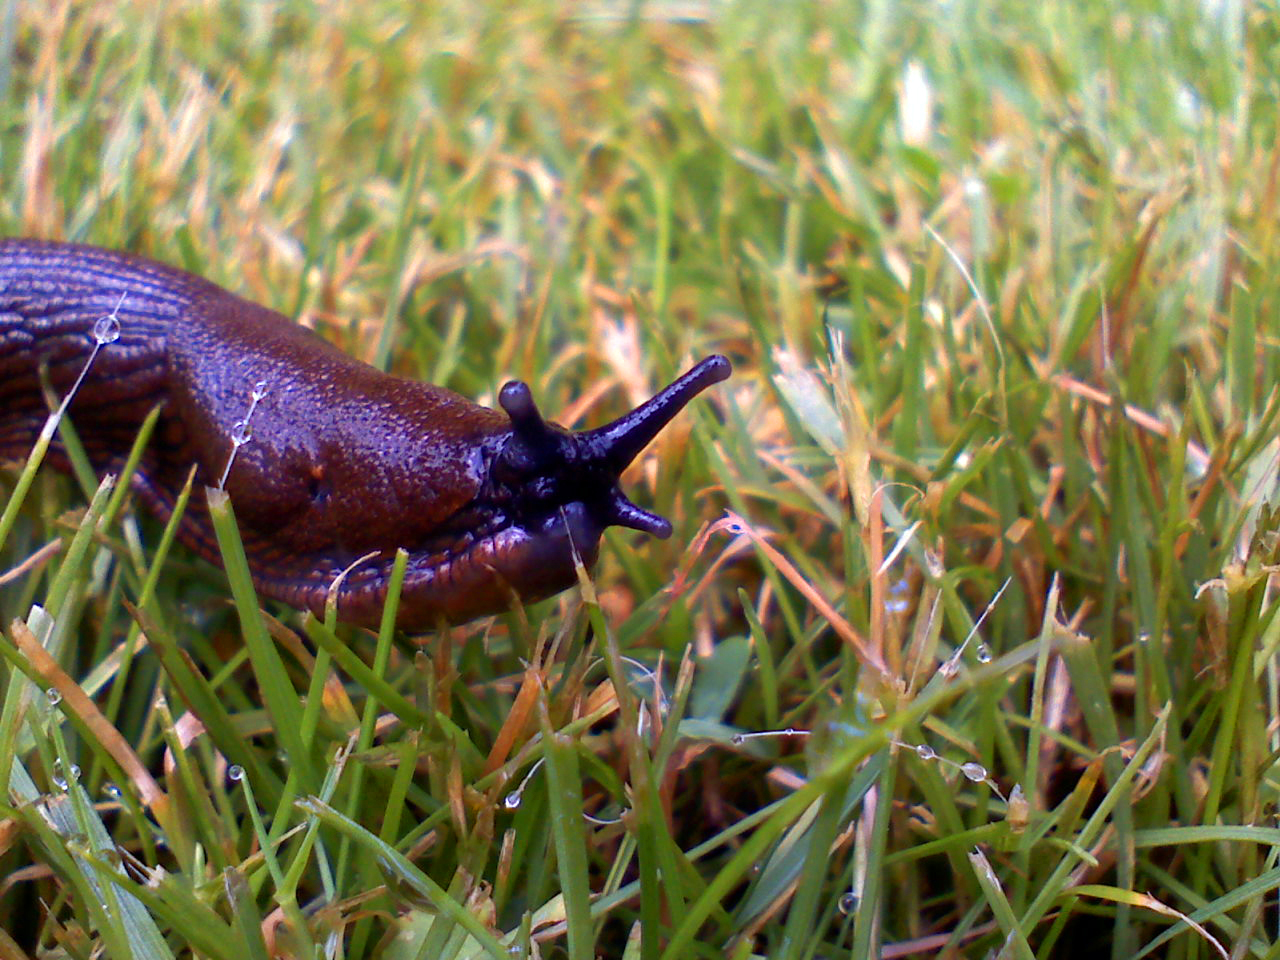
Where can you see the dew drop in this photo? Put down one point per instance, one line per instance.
(63, 777)
(512, 800)
(235, 773)
(983, 653)
(54, 696)
(241, 433)
(925, 752)
(106, 329)
(974, 771)
(111, 791)
(738, 738)
(848, 903)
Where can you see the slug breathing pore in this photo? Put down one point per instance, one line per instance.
(344, 464)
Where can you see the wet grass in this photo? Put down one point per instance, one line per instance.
(966, 637)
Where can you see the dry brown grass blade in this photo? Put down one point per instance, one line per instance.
(76, 700)
(1136, 414)
(732, 523)
(1213, 478)
(519, 719)
(37, 559)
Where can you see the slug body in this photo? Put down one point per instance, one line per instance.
(342, 461)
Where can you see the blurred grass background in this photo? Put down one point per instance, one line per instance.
(983, 661)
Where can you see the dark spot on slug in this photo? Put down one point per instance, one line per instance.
(335, 459)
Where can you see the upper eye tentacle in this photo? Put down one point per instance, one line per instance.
(616, 444)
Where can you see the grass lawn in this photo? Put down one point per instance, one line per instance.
(965, 644)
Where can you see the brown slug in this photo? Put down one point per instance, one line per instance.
(343, 460)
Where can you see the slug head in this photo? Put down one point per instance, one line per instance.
(545, 498)
(561, 488)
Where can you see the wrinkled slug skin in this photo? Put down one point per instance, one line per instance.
(342, 461)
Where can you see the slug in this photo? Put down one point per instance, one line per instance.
(343, 461)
